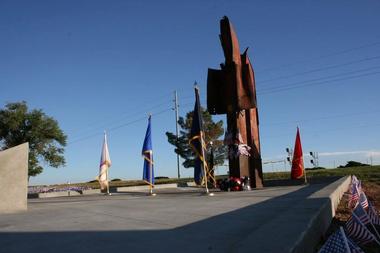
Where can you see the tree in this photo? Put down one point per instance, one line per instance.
(353, 164)
(213, 131)
(46, 139)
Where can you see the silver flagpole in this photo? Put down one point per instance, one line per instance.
(151, 175)
(108, 182)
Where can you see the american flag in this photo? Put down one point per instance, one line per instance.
(353, 247)
(356, 182)
(372, 213)
(354, 179)
(361, 214)
(363, 200)
(357, 231)
(337, 243)
(354, 196)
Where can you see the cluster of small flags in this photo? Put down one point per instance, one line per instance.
(361, 228)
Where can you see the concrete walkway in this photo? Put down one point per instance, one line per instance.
(274, 219)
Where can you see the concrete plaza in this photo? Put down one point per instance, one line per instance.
(273, 219)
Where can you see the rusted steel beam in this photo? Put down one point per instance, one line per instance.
(231, 90)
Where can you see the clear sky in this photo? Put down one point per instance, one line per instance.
(104, 65)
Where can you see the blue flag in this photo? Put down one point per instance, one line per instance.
(196, 140)
(147, 152)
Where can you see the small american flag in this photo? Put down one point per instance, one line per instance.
(363, 200)
(354, 179)
(337, 243)
(361, 214)
(357, 182)
(354, 196)
(357, 231)
(372, 213)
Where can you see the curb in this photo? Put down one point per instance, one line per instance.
(97, 191)
(319, 224)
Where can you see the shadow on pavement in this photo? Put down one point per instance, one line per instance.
(267, 225)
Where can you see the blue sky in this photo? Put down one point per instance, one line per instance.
(104, 65)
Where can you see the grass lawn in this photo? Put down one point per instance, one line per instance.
(365, 174)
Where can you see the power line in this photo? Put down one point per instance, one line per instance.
(320, 69)
(318, 79)
(278, 88)
(322, 56)
(117, 127)
(324, 131)
(291, 87)
(323, 118)
(126, 116)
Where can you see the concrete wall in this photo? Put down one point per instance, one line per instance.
(318, 225)
(14, 179)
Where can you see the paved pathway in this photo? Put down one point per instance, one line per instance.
(176, 220)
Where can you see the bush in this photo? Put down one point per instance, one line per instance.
(160, 177)
(316, 168)
(353, 164)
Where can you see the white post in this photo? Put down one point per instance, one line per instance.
(108, 185)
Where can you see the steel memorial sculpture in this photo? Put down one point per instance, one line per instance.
(231, 90)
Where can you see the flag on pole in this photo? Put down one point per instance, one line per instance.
(105, 164)
(355, 181)
(336, 243)
(147, 152)
(196, 141)
(297, 163)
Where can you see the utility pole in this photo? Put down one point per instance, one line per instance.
(176, 127)
(315, 160)
(290, 156)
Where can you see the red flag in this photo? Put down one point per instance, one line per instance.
(297, 163)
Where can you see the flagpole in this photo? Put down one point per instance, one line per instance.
(151, 167)
(150, 185)
(108, 183)
(201, 140)
(151, 176)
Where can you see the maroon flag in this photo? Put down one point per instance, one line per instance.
(297, 163)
